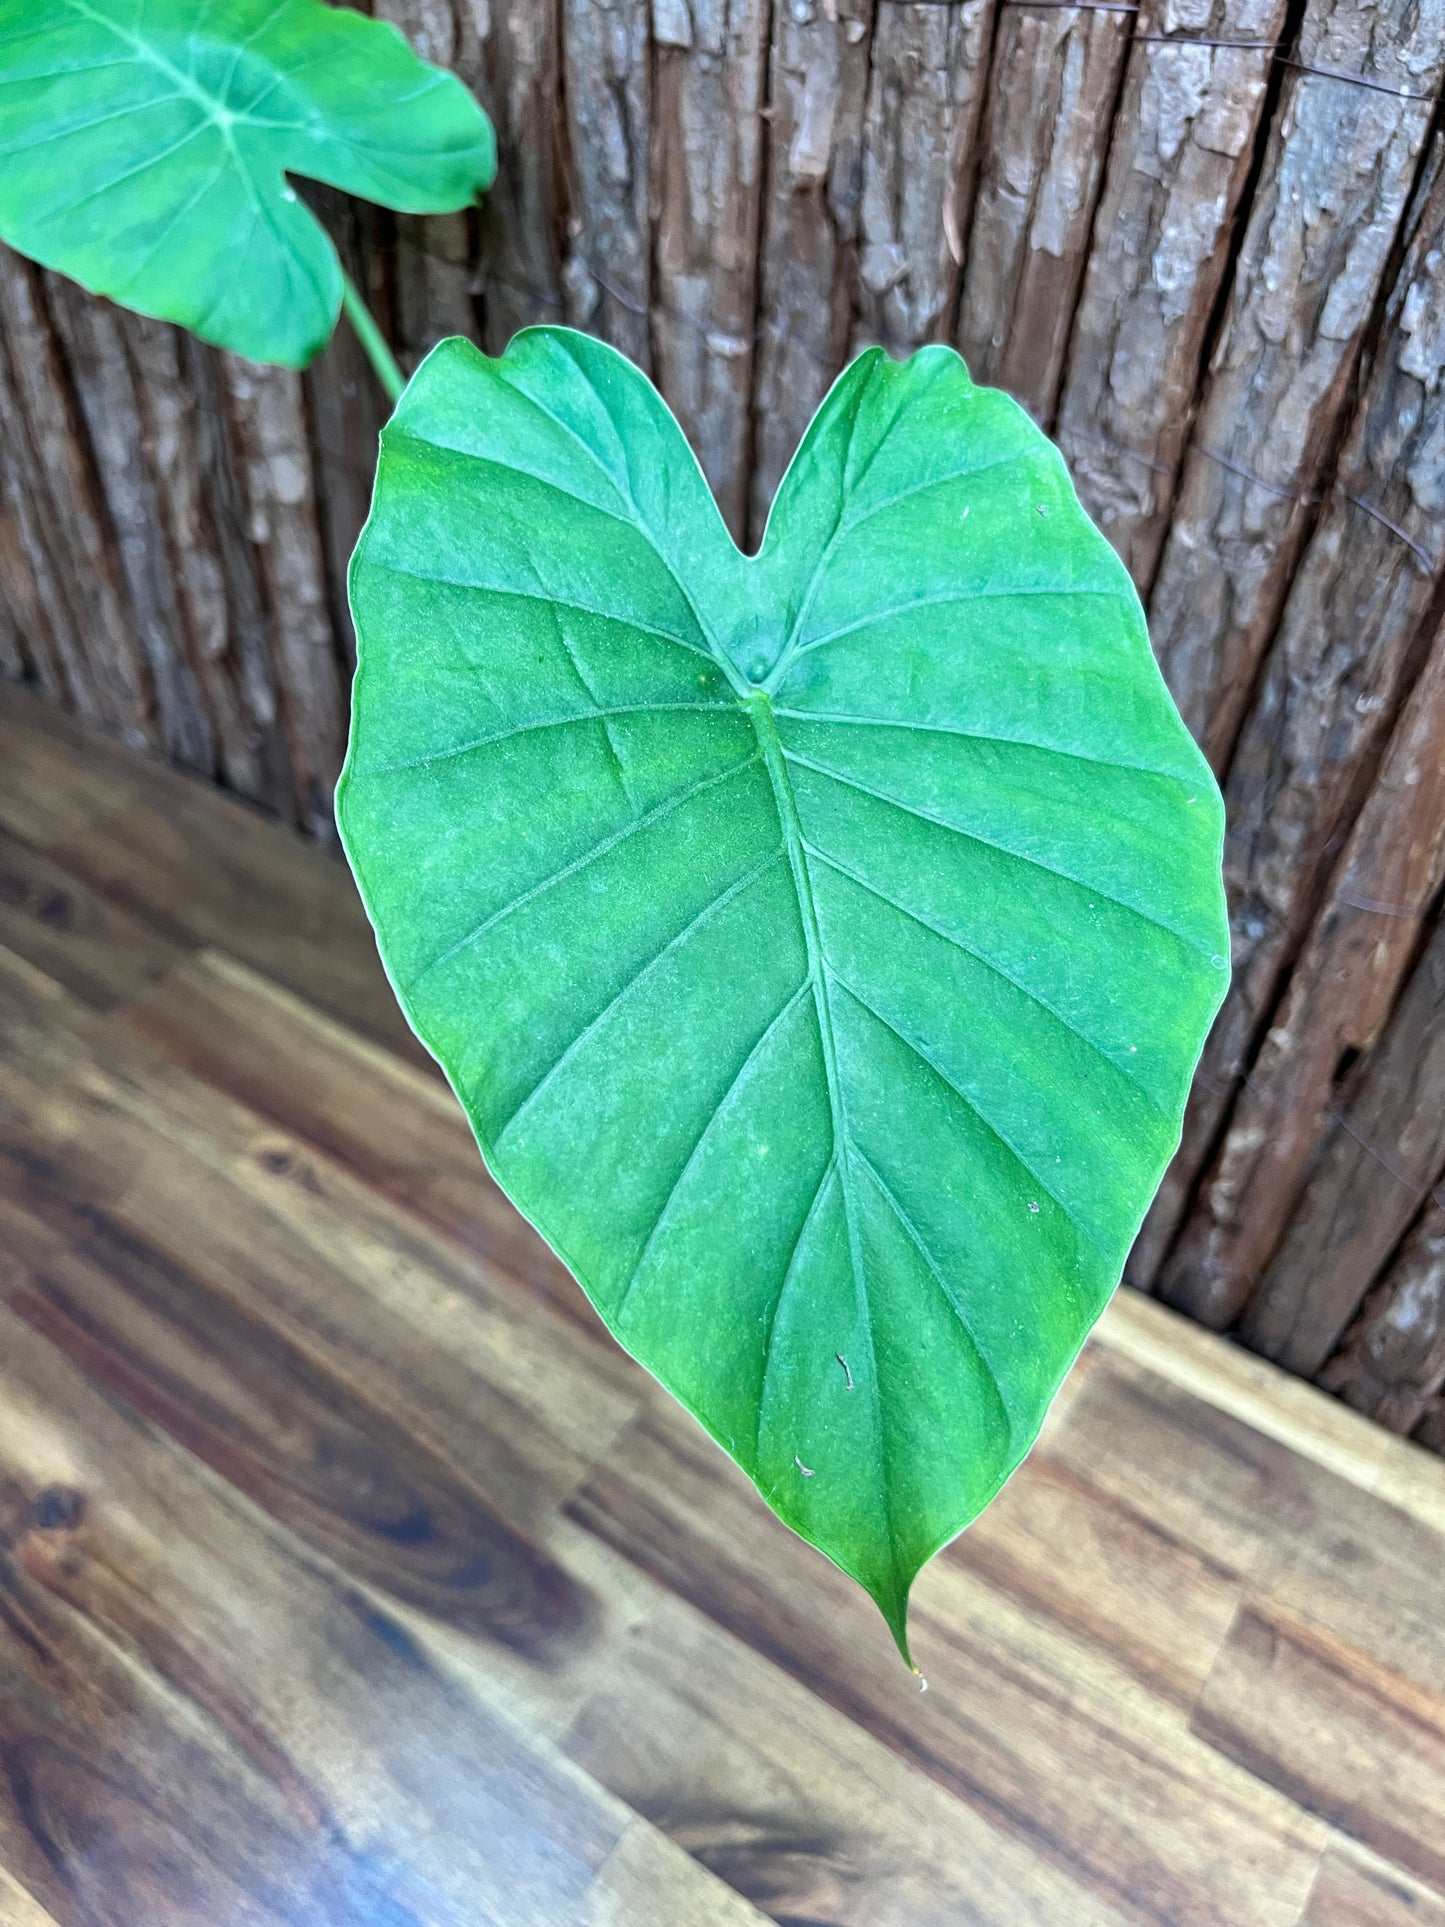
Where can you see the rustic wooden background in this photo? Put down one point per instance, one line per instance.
(1202, 240)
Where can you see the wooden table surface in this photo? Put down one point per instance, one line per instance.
(350, 1576)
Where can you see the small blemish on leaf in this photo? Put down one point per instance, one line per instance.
(806, 1470)
(846, 1373)
(1034, 1206)
(1041, 509)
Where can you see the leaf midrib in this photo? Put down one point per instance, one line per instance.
(760, 708)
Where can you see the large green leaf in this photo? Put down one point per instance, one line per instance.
(819, 943)
(144, 147)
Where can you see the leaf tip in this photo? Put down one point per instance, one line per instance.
(895, 1612)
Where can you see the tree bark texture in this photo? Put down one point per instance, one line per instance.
(1337, 174)
(1182, 144)
(1201, 241)
(1352, 639)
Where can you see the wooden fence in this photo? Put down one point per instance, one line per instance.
(1202, 240)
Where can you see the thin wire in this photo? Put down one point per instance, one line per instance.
(1066, 427)
(1421, 555)
(1380, 909)
(1248, 475)
(1355, 80)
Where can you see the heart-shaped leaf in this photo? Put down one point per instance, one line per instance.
(820, 943)
(144, 147)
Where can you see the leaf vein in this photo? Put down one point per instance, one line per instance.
(949, 937)
(829, 1169)
(975, 736)
(926, 1058)
(772, 1026)
(654, 815)
(988, 843)
(704, 916)
(916, 1239)
(550, 722)
(952, 599)
(548, 601)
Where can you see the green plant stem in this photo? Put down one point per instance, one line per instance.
(388, 372)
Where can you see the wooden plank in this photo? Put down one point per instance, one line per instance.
(1354, 1889)
(1250, 1389)
(1321, 1548)
(709, 72)
(1180, 154)
(928, 66)
(1384, 1149)
(1077, 1559)
(1339, 994)
(97, 950)
(57, 778)
(1346, 1740)
(1038, 1724)
(350, 1481)
(395, 1128)
(607, 87)
(1055, 74)
(19, 1908)
(1337, 173)
(817, 83)
(1348, 648)
(1391, 1363)
(797, 1807)
(256, 1220)
(218, 1727)
(194, 866)
(647, 1881)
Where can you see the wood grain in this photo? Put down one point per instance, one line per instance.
(178, 1662)
(1363, 1750)
(1354, 1890)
